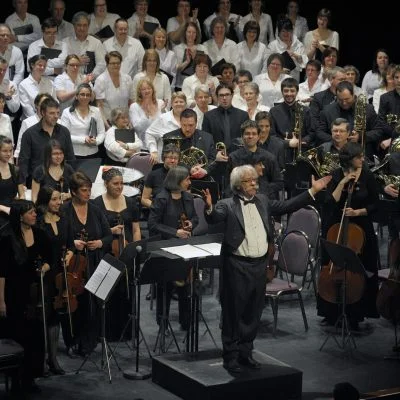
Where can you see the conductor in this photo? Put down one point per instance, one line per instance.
(247, 242)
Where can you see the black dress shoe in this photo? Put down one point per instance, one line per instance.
(233, 366)
(249, 362)
(56, 370)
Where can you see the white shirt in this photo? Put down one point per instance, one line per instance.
(180, 53)
(63, 82)
(200, 115)
(58, 62)
(163, 124)
(112, 96)
(14, 103)
(168, 63)
(300, 28)
(133, 22)
(376, 98)
(370, 82)
(114, 150)
(79, 128)
(140, 121)
(5, 126)
(26, 123)
(270, 91)
(266, 27)
(228, 51)
(65, 29)
(305, 92)
(95, 26)
(132, 52)
(209, 19)
(332, 40)
(75, 46)
(161, 85)
(254, 59)
(29, 88)
(16, 66)
(191, 82)
(173, 25)
(259, 108)
(14, 21)
(277, 46)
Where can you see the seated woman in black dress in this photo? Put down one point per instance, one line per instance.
(122, 214)
(20, 249)
(90, 232)
(353, 174)
(172, 215)
(53, 223)
(54, 171)
(9, 180)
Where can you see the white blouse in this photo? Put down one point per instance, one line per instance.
(191, 82)
(95, 26)
(5, 126)
(200, 115)
(79, 128)
(168, 63)
(112, 96)
(266, 27)
(332, 40)
(376, 98)
(254, 59)
(270, 91)
(370, 82)
(114, 149)
(64, 82)
(140, 121)
(163, 124)
(228, 51)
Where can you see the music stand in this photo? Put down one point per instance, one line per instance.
(101, 284)
(133, 256)
(346, 258)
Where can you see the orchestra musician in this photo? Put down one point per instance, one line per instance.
(340, 130)
(172, 215)
(21, 246)
(122, 214)
(247, 241)
(364, 200)
(90, 232)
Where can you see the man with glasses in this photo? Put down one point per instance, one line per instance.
(246, 247)
(55, 50)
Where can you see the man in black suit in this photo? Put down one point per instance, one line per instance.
(248, 240)
(187, 137)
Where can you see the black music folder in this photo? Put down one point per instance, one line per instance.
(125, 135)
(92, 62)
(89, 166)
(169, 76)
(92, 128)
(50, 53)
(216, 68)
(189, 70)
(288, 62)
(105, 33)
(150, 27)
(23, 30)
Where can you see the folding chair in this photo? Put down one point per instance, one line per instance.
(141, 162)
(293, 259)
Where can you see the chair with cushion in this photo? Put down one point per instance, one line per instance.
(293, 259)
(11, 358)
(141, 162)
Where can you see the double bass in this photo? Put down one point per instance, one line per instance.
(332, 278)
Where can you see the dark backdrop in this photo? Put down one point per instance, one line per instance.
(359, 36)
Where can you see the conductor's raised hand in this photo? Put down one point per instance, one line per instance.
(319, 184)
(207, 197)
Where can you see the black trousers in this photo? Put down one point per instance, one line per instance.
(242, 302)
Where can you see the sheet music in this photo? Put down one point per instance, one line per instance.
(98, 276)
(186, 251)
(108, 283)
(212, 248)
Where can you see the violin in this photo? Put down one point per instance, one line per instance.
(331, 277)
(78, 265)
(119, 243)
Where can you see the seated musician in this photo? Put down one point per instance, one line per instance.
(191, 137)
(272, 178)
(353, 173)
(155, 179)
(291, 121)
(172, 215)
(364, 118)
(340, 129)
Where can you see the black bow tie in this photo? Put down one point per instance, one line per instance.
(252, 201)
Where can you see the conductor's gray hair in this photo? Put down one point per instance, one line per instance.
(237, 175)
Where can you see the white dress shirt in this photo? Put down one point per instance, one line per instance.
(133, 22)
(270, 91)
(132, 52)
(25, 124)
(173, 25)
(305, 92)
(266, 27)
(79, 128)
(115, 151)
(228, 51)
(200, 115)
(254, 59)
(16, 66)
(140, 121)
(332, 40)
(259, 108)
(163, 124)
(209, 19)
(95, 26)
(35, 48)
(161, 85)
(65, 29)
(5, 126)
(29, 88)
(63, 82)
(75, 46)
(14, 21)
(376, 98)
(13, 103)
(112, 96)
(191, 82)
(370, 82)
(168, 63)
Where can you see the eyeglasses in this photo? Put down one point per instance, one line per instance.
(224, 95)
(250, 180)
(276, 64)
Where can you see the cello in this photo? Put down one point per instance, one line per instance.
(332, 278)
